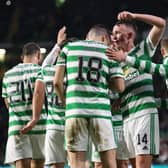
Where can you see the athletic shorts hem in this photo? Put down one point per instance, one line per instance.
(53, 162)
(17, 159)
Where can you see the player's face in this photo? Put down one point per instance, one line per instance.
(120, 36)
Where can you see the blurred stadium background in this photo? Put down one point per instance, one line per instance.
(22, 21)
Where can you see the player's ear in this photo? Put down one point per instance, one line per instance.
(162, 51)
(38, 55)
(105, 40)
(130, 35)
(22, 57)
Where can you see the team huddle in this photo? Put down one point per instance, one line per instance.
(90, 99)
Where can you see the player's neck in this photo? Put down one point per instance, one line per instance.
(29, 60)
(129, 47)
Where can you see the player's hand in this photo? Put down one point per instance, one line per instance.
(28, 127)
(61, 37)
(115, 54)
(125, 15)
(63, 102)
(116, 105)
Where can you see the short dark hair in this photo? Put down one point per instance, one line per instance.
(100, 29)
(131, 24)
(30, 49)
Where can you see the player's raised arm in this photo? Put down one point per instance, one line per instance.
(158, 23)
(51, 57)
(58, 83)
(142, 65)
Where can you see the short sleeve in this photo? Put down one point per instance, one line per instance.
(62, 57)
(40, 75)
(115, 70)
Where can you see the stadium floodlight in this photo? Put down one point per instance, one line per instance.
(8, 2)
(43, 50)
(2, 54)
(2, 51)
(59, 3)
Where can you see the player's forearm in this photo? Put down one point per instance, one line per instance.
(150, 19)
(6, 103)
(117, 84)
(148, 66)
(38, 101)
(59, 88)
(51, 57)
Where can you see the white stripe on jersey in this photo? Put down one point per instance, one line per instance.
(86, 100)
(86, 89)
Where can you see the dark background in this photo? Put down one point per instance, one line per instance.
(22, 21)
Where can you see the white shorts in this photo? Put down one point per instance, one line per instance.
(121, 151)
(77, 131)
(142, 135)
(24, 146)
(54, 147)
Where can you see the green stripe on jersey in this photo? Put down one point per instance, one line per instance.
(94, 106)
(152, 135)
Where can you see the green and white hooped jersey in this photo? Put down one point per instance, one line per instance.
(56, 113)
(88, 72)
(138, 97)
(18, 87)
(165, 62)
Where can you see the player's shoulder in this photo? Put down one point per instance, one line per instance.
(49, 66)
(48, 69)
(88, 43)
(11, 70)
(142, 46)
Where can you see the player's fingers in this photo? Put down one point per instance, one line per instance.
(111, 52)
(111, 56)
(61, 32)
(115, 49)
(27, 127)
(24, 130)
(124, 16)
(121, 15)
(63, 29)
